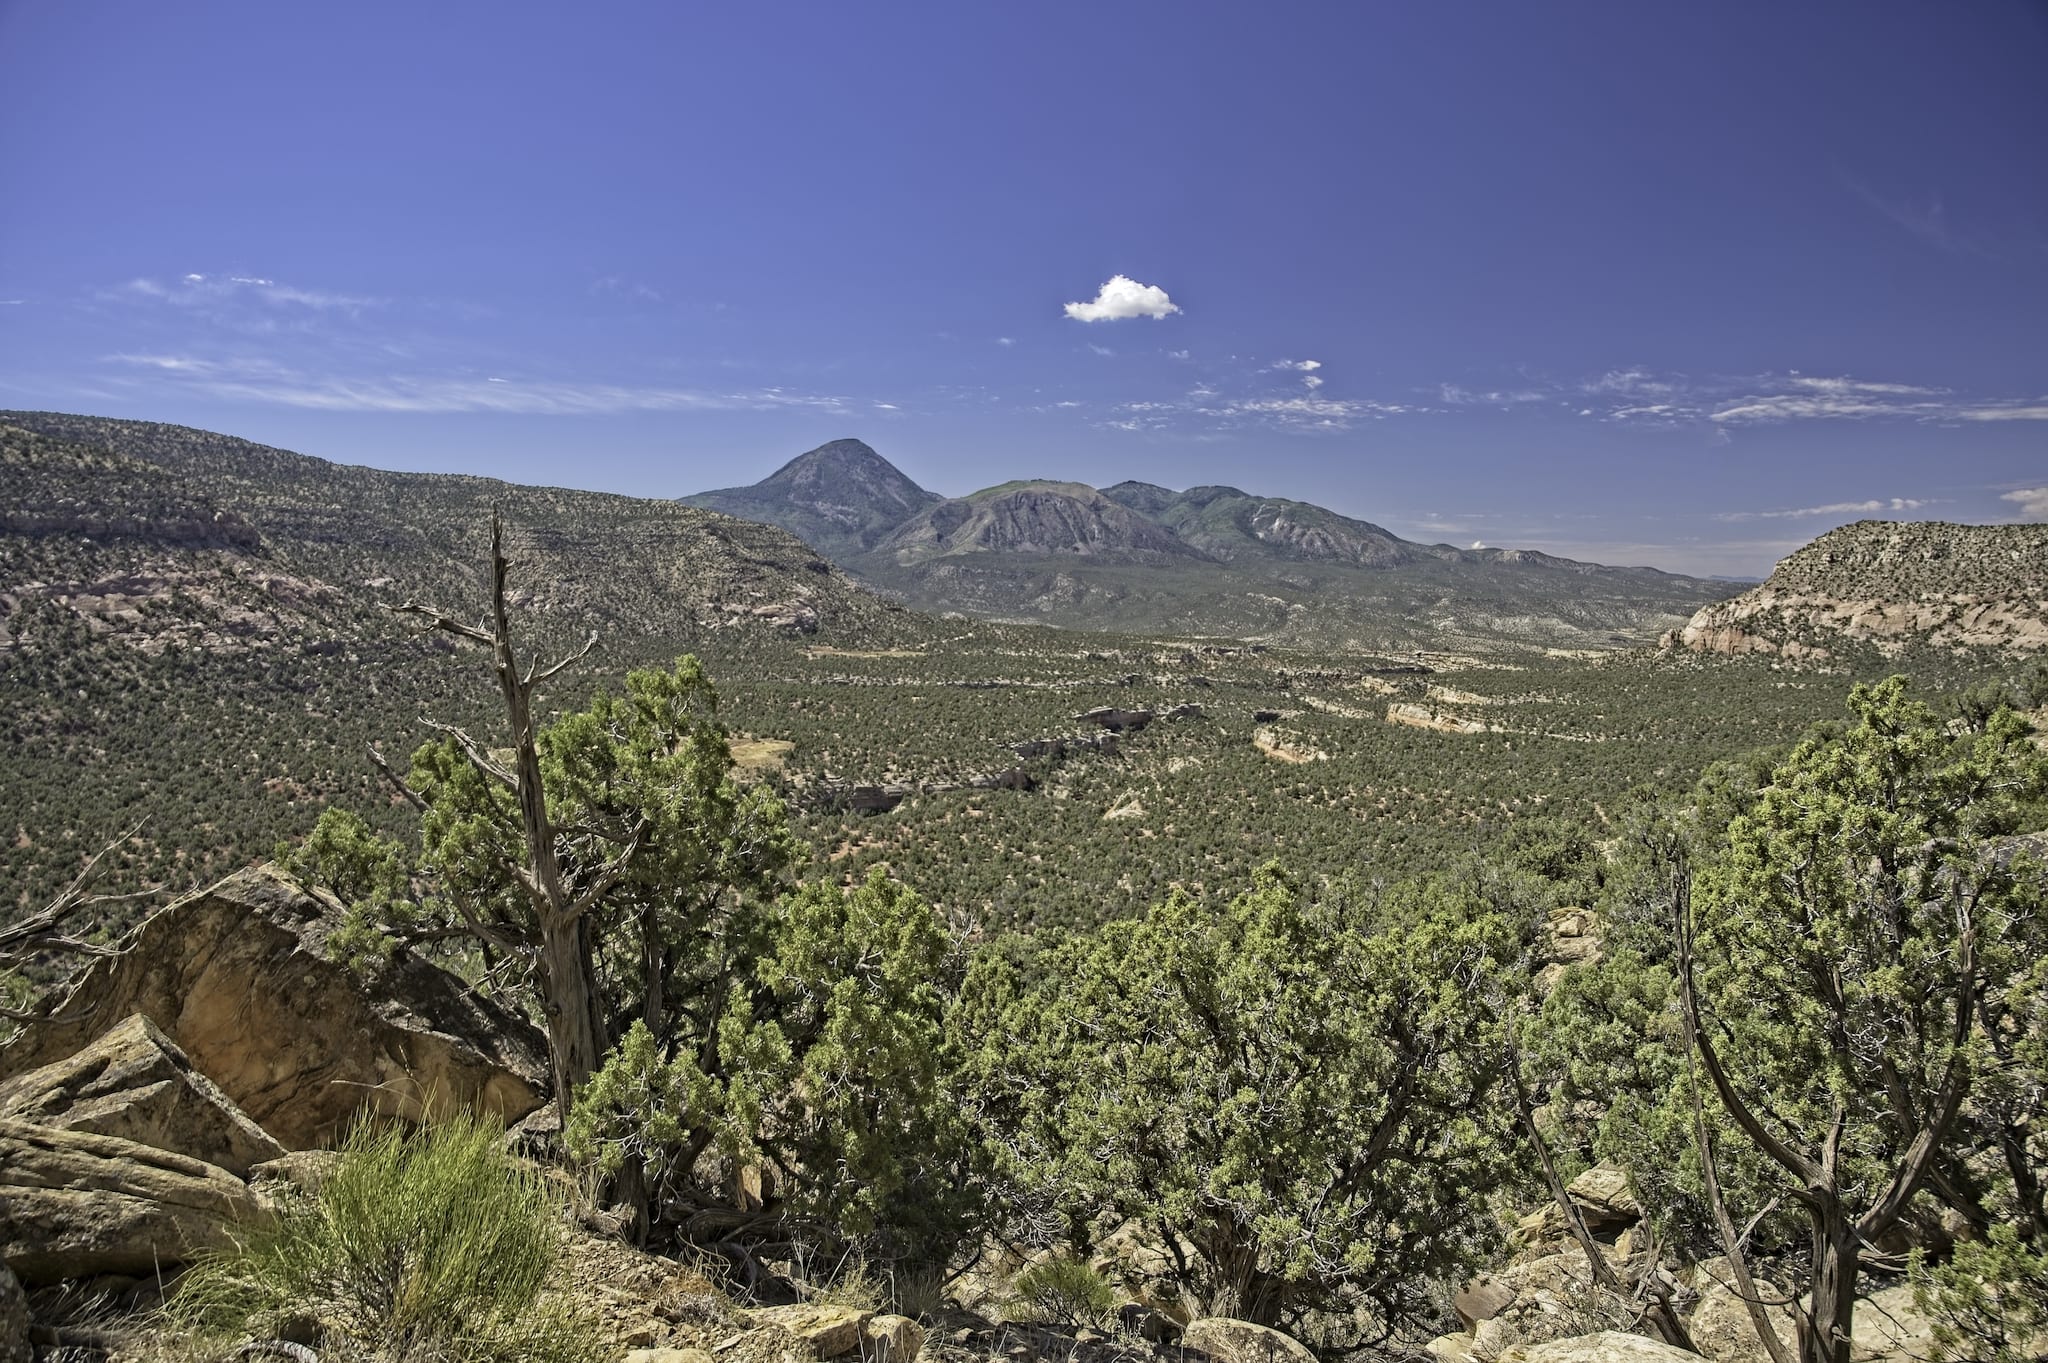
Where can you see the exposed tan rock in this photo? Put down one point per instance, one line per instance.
(1888, 1328)
(828, 1331)
(82, 1204)
(1604, 1199)
(1240, 1341)
(237, 976)
(1608, 1346)
(1720, 1325)
(1436, 721)
(891, 1339)
(135, 1083)
(668, 1356)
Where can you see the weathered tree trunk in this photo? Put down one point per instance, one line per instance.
(1824, 1333)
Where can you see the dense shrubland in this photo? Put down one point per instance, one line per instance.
(1817, 1016)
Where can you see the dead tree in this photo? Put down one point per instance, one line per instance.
(45, 932)
(561, 900)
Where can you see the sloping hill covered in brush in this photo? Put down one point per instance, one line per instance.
(1890, 585)
(193, 631)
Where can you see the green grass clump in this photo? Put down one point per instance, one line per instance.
(421, 1244)
(1062, 1291)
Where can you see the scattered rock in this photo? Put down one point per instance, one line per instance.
(891, 1339)
(1481, 1299)
(668, 1356)
(82, 1204)
(1721, 1328)
(238, 978)
(1115, 720)
(1240, 1341)
(135, 1083)
(1888, 1328)
(1608, 1346)
(828, 1331)
(1604, 1199)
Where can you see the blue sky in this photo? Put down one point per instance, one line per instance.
(1677, 284)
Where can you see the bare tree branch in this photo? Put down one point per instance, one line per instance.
(440, 620)
(478, 758)
(536, 678)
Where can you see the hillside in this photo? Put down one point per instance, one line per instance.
(1033, 518)
(192, 626)
(840, 498)
(1890, 585)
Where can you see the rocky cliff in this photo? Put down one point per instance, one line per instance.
(1891, 585)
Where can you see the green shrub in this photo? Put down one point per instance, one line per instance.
(421, 1244)
(1065, 1291)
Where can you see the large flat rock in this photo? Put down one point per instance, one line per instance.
(81, 1204)
(238, 978)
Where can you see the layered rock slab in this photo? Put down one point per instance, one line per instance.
(80, 1204)
(237, 977)
(135, 1083)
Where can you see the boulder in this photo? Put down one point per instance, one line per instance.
(135, 1083)
(1240, 1341)
(1481, 1299)
(238, 978)
(82, 1204)
(1888, 1328)
(829, 1331)
(891, 1339)
(1608, 1346)
(14, 1345)
(1721, 1328)
(1603, 1198)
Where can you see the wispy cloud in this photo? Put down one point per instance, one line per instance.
(2032, 502)
(1875, 504)
(1640, 397)
(1121, 298)
(254, 380)
(201, 290)
(1458, 396)
(12, 302)
(618, 286)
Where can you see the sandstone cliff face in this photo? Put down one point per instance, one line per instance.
(1889, 585)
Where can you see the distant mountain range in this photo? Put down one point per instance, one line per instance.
(1214, 560)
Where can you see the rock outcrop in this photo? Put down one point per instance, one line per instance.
(1889, 585)
(135, 1083)
(1240, 1341)
(238, 979)
(1608, 1346)
(81, 1204)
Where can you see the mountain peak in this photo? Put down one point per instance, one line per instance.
(840, 497)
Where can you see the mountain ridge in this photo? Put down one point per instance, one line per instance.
(1213, 559)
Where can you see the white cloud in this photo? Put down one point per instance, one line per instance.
(1478, 544)
(2032, 502)
(1006, 340)
(1177, 355)
(11, 302)
(1305, 366)
(1311, 382)
(1122, 297)
(1100, 349)
(1894, 505)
